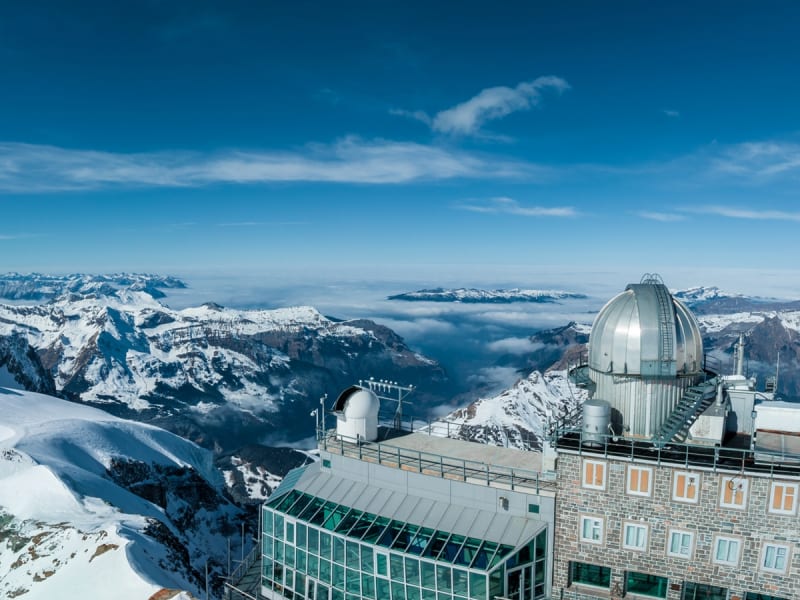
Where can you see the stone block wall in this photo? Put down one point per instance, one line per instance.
(660, 513)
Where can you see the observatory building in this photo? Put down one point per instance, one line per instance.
(671, 482)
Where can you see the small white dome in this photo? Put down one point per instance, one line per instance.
(361, 405)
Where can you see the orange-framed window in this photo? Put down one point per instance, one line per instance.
(594, 474)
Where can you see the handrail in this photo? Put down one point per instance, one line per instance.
(446, 467)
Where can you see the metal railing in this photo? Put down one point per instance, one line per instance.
(446, 467)
(688, 455)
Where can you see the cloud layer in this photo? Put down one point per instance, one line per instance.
(39, 168)
(512, 207)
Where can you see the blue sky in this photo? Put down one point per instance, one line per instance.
(441, 142)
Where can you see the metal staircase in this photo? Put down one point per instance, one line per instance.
(695, 400)
(666, 327)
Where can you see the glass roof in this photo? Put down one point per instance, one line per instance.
(390, 533)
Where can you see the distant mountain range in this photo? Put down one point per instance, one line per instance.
(712, 300)
(224, 378)
(38, 287)
(478, 296)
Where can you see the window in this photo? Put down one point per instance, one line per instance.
(680, 543)
(646, 585)
(594, 474)
(585, 574)
(783, 498)
(733, 493)
(686, 487)
(701, 591)
(634, 536)
(756, 596)
(591, 530)
(726, 550)
(774, 558)
(639, 480)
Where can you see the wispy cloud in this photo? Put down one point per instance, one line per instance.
(35, 168)
(512, 207)
(467, 118)
(671, 113)
(661, 216)
(763, 160)
(17, 236)
(262, 223)
(753, 214)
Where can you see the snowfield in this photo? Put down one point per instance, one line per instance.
(68, 529)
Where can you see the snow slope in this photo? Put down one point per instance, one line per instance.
(74, 525)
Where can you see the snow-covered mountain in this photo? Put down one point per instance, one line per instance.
(219, 376)
(518, 416)
(104, 507)
(38, 287)
(478, 296)
(712, 300)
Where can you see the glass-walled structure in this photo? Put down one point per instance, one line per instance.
(321, 549)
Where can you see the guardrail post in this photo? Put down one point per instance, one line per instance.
(379, 454)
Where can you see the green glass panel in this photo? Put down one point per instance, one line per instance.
(451, 548)
(412, 593)
(444, 578)
(289, 533)
(348, 521)
(313, 540)
(541, 545)
(325, 545)
(323, 513)
(590, 574)
(428, 571)
(419, 542)
(338, 550)
(337, 595)
(310, 510)
(405, 536)
(468, 551)
(279, 525)
(375, 530)
(313, 565)
(484, 555)
(287, 501)
(325, 571)
(367, 559)
(302, 535)
(361, 526)
(390, 533)
(646, 585)
(278, 551)
(297, 508)
(289, 556)
(381, 564)
(496, 583)
(436, 544)
(412, 571)
(367, 586)
(398, 591)
(351, 558)
(460, 585)
(352, 581)
(300, 582)
(428, 594)
(335, 517)
(338, 576)
(302, 564)
(477, 586)
(396, 567)
(501, 553)
(444, 596)
(266, 518)
(268, 547)
(382, 588)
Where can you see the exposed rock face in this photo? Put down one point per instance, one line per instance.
(221, 377)
(20, 359)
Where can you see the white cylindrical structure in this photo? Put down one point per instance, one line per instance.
(645, 349)
(596, 419)
(356, 411)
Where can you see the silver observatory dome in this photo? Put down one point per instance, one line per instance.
(645, 349)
